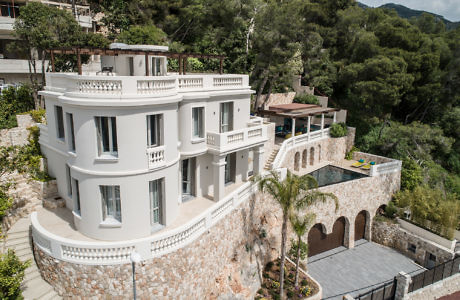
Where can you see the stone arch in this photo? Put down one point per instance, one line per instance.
(381, 210)
(312, 156)
(296, 161)
(304, 158)
(362, 226)
(319, 153)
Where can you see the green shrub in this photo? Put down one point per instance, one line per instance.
(269, 265)
(390, 210)
(338, 130)
(14, 101)
(293, 250)
(304, 282)
(306, 99)
(38, 115)
(349, 154)
(11, 275)
(290, 294)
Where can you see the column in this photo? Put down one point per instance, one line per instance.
(322, 124)
(258, 159)
(402, 285)
(308, 127)
(334, 120)
(293, 127)
(218, 163)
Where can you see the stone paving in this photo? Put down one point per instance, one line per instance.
(354, 271)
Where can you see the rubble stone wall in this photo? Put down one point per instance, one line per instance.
(17, 136)
(437, 290)
(392, 235)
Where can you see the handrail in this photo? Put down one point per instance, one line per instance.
(100, 252)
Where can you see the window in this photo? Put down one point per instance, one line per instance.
(230, 161)
(411, 248)
(107, 135)
(71, 131)
(156, 66)
(59, 122)
(154, 130)
(198, 122)
(77, 196)
(156, 200)
(111, 205)
(226, 116)
(69, 181)
(131, 66)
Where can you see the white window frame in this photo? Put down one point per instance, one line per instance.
(156, 65)
(228, 126)
(156, 210)
(202, 123)
(59, 116)
(71, 131)
(113, 145)
(114, 216)
(159, 130)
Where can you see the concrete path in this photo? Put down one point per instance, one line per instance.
(354, 271)
(33, 286)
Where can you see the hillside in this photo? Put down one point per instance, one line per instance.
(407, 13)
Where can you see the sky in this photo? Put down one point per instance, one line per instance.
(449, 9)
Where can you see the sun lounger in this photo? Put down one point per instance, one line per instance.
(359, 163)
(368, 166)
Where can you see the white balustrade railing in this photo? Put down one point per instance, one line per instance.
(233, 139)
(95, 86)
(155, 86)
(228, 81)
(110, 253)
(142, 85)
(386, 168)
(295, 141)
(156, 156)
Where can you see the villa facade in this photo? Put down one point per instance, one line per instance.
(160, 163)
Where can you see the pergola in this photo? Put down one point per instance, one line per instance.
(182, 57)
(298, 110)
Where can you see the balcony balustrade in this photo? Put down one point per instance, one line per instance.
(232, 140)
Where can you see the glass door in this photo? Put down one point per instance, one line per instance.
(187, 179)
(226, 117)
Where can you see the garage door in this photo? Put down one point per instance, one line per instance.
(319, 242)
(360, 226)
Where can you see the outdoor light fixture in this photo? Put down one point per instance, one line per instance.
(135, 258)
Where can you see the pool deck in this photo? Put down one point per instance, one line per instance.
(345, 164)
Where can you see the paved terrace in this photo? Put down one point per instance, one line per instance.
(60, 220)
(354, 271)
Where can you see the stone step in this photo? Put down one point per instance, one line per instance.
(50, 296)
(23, 252)
(11, 235)
(36, 288)
(31, 276)
(19, 247)
(17, 241)
(27, 256)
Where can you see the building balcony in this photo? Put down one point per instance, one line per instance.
(6, 23)
(254, 133)
(110, 86)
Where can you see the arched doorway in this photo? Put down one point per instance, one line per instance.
(304, 158)
(360, 225)
(381, 210)
(319, 242)
(316, 240)
(319, 153)
(296, 161)
(312, 156)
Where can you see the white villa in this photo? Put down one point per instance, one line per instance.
(129, 150)
(159, 163)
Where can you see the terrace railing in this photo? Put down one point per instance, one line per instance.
(103, 253)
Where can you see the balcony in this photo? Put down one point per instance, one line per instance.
(142, 86)
(156, 157)
(237, 139)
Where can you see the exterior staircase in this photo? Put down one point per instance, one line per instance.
(271, 158)
(33, 286)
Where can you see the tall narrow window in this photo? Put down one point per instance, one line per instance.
(71, 132)
(156, 66)
(226, 116)
(156, 200)
(69, 181)
(131, 66)
(107, 135)
(198, 122)
(111, 204)
(230, 162)
(154, 130)
(59, 122)
(76, 187)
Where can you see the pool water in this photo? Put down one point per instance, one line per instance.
(330, 175)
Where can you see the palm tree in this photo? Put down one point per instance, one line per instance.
(300, 224)
(292, 192)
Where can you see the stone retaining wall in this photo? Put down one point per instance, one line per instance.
(17, 136)
(392, 235)
(435, 291)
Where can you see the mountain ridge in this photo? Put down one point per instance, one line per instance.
(407, 13)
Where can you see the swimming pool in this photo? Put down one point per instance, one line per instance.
(330, 175)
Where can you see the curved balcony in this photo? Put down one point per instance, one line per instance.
(93, 252)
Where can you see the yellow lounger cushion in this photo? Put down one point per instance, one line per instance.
(358, 164)
(366, 167)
